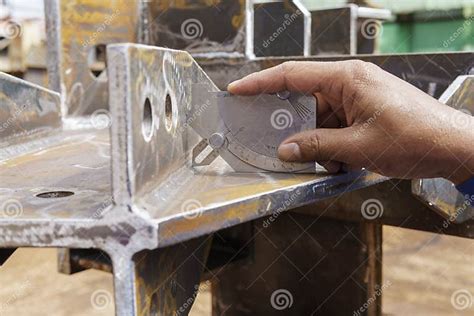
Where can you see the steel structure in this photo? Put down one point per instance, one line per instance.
(104, 167)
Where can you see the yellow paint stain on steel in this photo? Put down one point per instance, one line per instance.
(184, 4)
(444, 207)
(5, 98)
(87, 19)
(370, 177)
(84, 24)
(239, 212)
(239, 19)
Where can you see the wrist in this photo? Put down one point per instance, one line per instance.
(461, 151)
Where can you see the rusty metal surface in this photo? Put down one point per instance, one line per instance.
(440, 194)
(326, 25)
(75, 190)
(27, 111)
(71, 261)
(198, 26)
(26, 176)
(74, 28)
(158, 147)
(356, 29)
(303, 265)
(158, 179)
(167, 280)
(130, 191)
(394, 205)
(153, 215)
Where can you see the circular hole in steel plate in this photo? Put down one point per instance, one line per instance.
(97, 59)
(168, 112)
(54, 194)
(147, 120)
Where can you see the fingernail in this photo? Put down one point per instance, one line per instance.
(289, 152)
(233, 84)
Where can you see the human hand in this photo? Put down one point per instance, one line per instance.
(368, 118)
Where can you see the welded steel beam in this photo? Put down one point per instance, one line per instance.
(131, 192)
(141, 193)
(391, 203)
(304, 265)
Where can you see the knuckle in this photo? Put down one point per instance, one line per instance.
(362, 71)
(287, 67)
(312, 146)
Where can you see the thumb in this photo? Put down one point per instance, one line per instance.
(322, 144)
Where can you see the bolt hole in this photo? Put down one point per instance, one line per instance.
(54, 194)
(168, 112)
(147, 120)
(97, 59)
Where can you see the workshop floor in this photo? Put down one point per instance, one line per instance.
(421, 272)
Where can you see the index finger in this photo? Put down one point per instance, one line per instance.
(303, 76)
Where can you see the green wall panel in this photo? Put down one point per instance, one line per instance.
(432, 36)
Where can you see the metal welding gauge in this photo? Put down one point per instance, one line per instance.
(247, 130)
